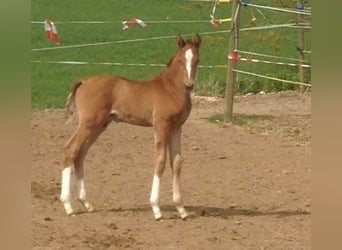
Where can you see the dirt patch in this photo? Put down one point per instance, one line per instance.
(246, 185)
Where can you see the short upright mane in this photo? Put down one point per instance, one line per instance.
(170, 61)
(189, 41)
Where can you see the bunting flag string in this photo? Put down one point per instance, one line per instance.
(126, 24)
(271, 78)
(51, 31)
(235, 56)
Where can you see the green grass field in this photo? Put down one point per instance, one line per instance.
(51, 82)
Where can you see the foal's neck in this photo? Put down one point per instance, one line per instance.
(173, 76)
(173, 80)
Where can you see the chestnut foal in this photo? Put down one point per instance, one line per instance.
(162, 102)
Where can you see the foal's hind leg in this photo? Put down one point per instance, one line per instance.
(176, 165)
(79, 169)
(71, 151)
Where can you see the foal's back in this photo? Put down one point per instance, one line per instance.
(131, 101)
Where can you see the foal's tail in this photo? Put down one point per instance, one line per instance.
(70, 103)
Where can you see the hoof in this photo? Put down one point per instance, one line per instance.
(158, 216)
(184, 216)
(87, 206)
(156, 211)
(70, 212)
(68, 209)
(181, 210)
(90, 208)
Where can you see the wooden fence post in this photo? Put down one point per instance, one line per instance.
(232, 63)
(301, 48)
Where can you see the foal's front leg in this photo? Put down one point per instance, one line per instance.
(176, 165)
(160, 140)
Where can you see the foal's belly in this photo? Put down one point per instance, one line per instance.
(139, 120)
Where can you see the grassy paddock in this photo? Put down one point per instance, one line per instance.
(51, 82)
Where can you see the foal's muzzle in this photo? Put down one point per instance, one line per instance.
(189, 87)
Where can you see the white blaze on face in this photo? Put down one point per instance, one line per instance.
(188, 59)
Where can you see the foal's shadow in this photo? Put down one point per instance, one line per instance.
(205, 211)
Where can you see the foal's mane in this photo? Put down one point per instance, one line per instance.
(189, 41)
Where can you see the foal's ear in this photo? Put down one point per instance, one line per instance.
(197, 40)
(180, 41)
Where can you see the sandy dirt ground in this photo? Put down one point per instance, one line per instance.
(246, 185)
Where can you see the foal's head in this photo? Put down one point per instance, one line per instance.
(188, 57)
